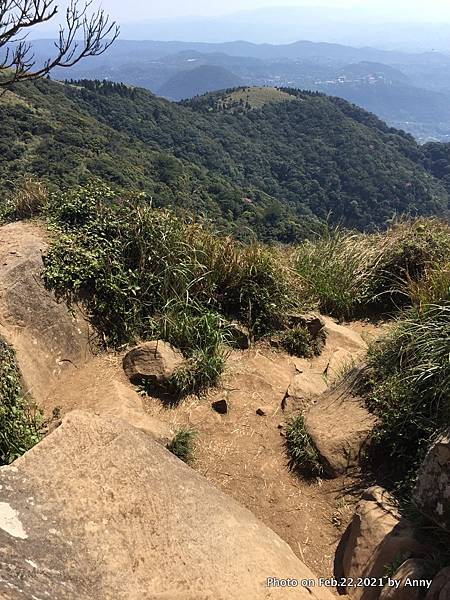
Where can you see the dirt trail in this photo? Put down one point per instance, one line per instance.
(52, 344)
(242, 452)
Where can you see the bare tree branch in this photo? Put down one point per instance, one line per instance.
(84, 34)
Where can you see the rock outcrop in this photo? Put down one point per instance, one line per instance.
(413, 570)
(339, 426)
(49, 340)
(440, 588)
(99, 511)
(376, 538)
(432, 492)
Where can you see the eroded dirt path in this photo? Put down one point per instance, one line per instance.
(244, 453)
(241, 452)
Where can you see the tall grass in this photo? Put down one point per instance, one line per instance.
(347, 273)
(127, 261)
(410, 389)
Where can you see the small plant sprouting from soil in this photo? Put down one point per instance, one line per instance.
(299, 342)
(183, 445)
(303, 455)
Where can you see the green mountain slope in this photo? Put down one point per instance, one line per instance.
(275, 162)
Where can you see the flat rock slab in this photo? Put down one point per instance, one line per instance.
(99, 511)
(339, 426)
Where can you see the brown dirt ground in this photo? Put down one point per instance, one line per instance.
(241, 452)
(244, 454)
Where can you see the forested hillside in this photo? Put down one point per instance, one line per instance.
(279, 168)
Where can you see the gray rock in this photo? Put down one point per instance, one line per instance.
(376, 537)
(440, 588)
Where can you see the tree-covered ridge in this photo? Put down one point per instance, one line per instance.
(279, 169)
(45, 134)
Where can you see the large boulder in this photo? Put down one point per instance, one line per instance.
(409, 581)
(432, 492)
(155, 361)
(440, 588)
(376, 538)
(99, 511)
(49, 339)
(339, 426)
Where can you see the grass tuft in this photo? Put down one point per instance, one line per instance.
(410, 391)
(183, 445)
(302, 452)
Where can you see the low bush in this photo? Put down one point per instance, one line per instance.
(20, 423)
(302, 452)
(182, 445)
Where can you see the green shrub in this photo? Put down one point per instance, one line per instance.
(410, 390)
(302, 452)
(20, 425)
(182, 445)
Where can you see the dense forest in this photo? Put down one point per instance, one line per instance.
(279, 168)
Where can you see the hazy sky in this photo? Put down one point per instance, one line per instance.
(134, 10)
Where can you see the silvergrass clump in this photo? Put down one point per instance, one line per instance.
(183, 445)
(410, 391)
(302, 452)
(28, 199)
(346, 273)
(20, 422)
(127, 261)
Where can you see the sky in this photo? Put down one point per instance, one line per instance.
(404, 10)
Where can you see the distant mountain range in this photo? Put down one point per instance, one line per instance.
(409, 91)
(407, 25)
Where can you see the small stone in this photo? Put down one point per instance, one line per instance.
(220, 406)
(262, 411)
(239, 336)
